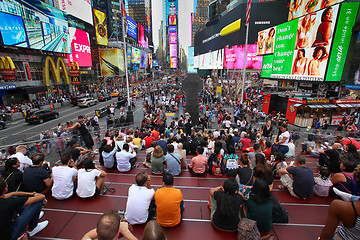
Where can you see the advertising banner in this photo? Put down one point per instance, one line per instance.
(172, 15)
(301, 47)
(234, 57)
(190, 67)
(196, 61)
(155, 63)
(141, 35)
(172, 29)
(78, 8)
(173, 50)
(172, 38)
(299, 8)
(267, 66)
(101, 28)
(80, 47)
(173, 62)
(150, 58)
(340, 47)
(129, 55)
(112, 62)
(46, 26)
(13, 30)
(136, 55)
(132, 27)
(143, 59)
(265, 41)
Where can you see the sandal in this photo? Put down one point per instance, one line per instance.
(282, 188)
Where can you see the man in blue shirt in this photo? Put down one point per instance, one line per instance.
(173, 161)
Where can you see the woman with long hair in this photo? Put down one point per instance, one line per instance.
(157, 160)
(320, 54)
(225, 205)
(283, 139)
(12, 175)
(316, 149)
(324, 32)
(90, 180)
(245, 173)
(259, 205)
(269, 43)
(352, 154)
(304, 31)
(263, 170)
(343, 181)
(300, 63)
(216, 163)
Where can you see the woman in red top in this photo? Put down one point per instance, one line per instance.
(246, 144)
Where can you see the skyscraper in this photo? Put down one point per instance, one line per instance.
(200, 16)
(170, 32)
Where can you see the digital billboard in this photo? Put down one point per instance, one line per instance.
(265, 41)
(101, 28)
(210, 60)
(150, 58)
(234, 57)
(129, 55)
(173, 62)
(80, 47)
(136, 54)
(46, 26)
(299, 8)
(78, 8)
(13, 30)
(172, 38)
(340, 47)
(172, 15)
(112, 62)
(190, 66)
(173, 50)
(132, 27)
(141, 35)
(302, 46)
(172, 29)
(143, 59)
(155, 63)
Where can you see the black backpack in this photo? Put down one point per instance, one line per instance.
(279, 213)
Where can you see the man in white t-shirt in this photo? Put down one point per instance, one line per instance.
(125, 160)
(140, 204)
(64, 176)
(24, 160)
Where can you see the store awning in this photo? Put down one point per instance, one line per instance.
(329, 106)
(346, 105)
(312, 106)
(356, 104)
(34, 90)
(297, 104)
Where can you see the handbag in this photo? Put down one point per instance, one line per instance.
(247, 228)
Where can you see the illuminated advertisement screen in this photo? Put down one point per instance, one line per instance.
(265, 41)
(13, 30)
(173, 62)
(132, 27)
(190, 66)
(101, 28)
(155, 63)
(129, 54)
(136, 54)
(173, 50)
(80, 47)
(46, 26)
(112, 62)
(78, 8)
(172, 29)
(141, 35)
(299, 8)
(143, 59)
(172, 15)
(172, 38)
(150, 58)
(302, 46)
(234, 57)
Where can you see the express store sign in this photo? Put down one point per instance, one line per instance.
(80, 47)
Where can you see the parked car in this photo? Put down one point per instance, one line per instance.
(2, 124)
(41, 116)
(87, 102)
(121, 102)
(104, 97)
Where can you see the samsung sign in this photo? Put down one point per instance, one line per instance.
(261, 18)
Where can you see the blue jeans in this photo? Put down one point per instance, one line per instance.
(27, 216)
(283, 149)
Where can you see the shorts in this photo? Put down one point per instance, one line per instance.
(88, 141)
(97, 192)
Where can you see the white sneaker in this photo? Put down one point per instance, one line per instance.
(345, 196)
(41, 214)
(39, 227)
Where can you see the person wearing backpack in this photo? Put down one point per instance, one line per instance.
(216, 163)
(198, 164)
(231, 162)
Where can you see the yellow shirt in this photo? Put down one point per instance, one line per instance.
(137, 142)
(168, 201)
